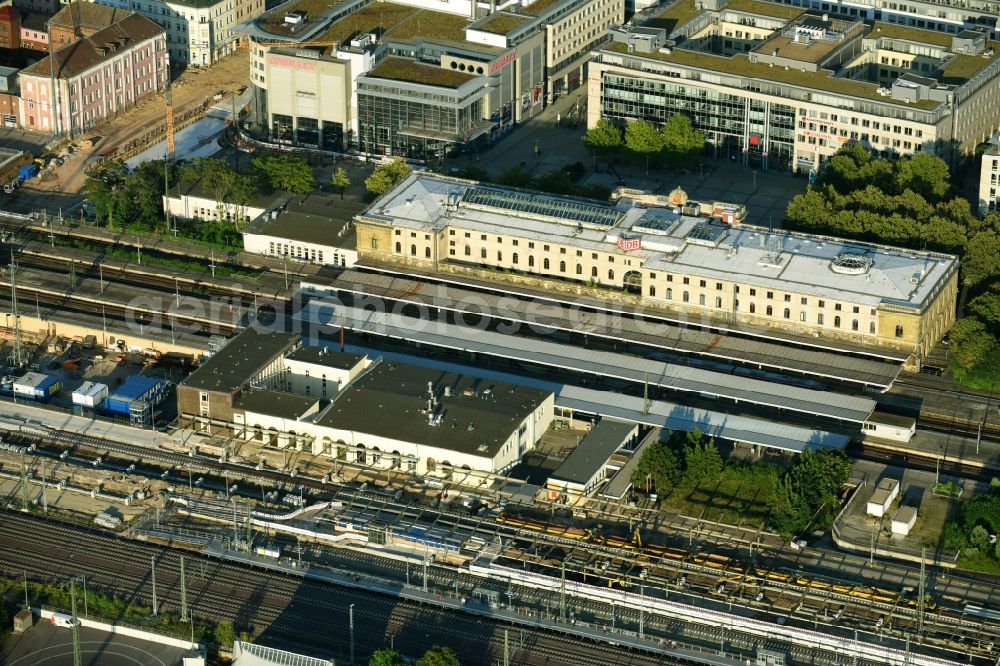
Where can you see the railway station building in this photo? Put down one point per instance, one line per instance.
(681, 264)
(777, 87)
(268, 389)
(404, 79)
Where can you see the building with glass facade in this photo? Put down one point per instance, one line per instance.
(779, 88)
(416, 79)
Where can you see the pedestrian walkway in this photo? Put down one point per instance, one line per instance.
(560, 143)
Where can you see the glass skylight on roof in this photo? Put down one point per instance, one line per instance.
(533, 204)
(706, 234)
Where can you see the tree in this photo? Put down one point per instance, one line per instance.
(818, 477)
(284, 172)
(701, 458)
(643, 140)
(515, 176)
(979, 538)
(603, 139)
(341, 180)
(438, 656)
(103, 185)
(925, 174)
(986, 308)
(659, 465)
(225, 635)
(556, 181)
(788, 512)
(386, 658)
(970, 342)
(386, 176)
(682, 143)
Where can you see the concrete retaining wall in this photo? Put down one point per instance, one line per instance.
(150, 636)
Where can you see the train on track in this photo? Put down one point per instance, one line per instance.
(724, 565)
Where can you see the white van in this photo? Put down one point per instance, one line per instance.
(62, 620)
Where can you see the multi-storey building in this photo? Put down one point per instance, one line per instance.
(199, 32)
(403, 79)
(989, 178)
(779, 88)
(671, 261)
(85, 17)
(34, 32)
(101, 75)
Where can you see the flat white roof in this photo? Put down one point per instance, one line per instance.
(673, 242)
(91, 389)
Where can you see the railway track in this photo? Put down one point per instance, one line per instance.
(273, 604)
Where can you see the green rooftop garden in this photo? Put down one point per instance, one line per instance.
(501, 23)
(399, 69)
(538, 6)
(275, 21)
(893, 31)
(740, 65)
(387, 19)
(963, 67)
(674, 16)
(765, 9)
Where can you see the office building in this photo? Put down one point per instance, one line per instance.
(778, 88)
(397, 78)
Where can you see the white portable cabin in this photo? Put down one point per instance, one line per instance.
(90, 394)
(904, 520)
(885, 492)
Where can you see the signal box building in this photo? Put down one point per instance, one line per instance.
(681, 263)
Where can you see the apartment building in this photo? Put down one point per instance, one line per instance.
(88, 17)
(103, 74)
(413, 78)
(776, 87)
(676, 262)
(198, 32)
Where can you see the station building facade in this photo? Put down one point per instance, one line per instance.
(669, 258)
(367, 411)
(777, 88)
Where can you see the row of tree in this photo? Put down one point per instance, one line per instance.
(435, 656)
(911, 203)
(133, 200)
(677, 144)
(805, 494)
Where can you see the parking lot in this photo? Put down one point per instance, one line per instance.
(45, 645)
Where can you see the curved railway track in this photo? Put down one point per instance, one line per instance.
(294, 609)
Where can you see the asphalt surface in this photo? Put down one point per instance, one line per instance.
(46, 645)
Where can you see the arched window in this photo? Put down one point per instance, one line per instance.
(593, 272)
(770, 311)
(854, 324)
(701, 299)
(685, 297)
(802, 316)
(652, 290)
(871, 328)
(399, 247)
(413, 250)
(468, 251)
(899, 330)
(562, 266)
(579, 269)
(482, 253)
(836, 321)
(513, 258)
(718, 301)
(819, 319)
(788, 313)
(545, 264)
(427, 253)
(670, 294)
(611, 274)
(753, 308)
(531, 261)
(499, 256)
